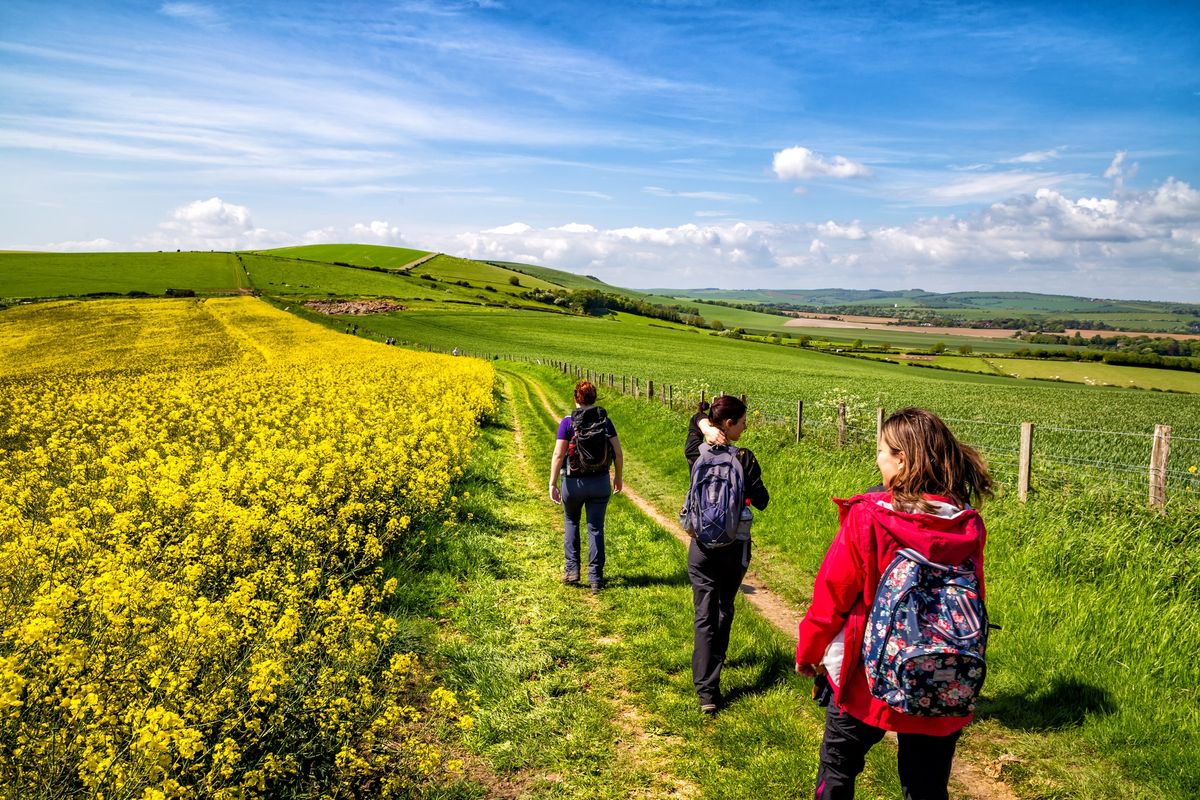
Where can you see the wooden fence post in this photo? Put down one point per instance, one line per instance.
(799, 420)
(1025, 465)
(841, 424)
(650, 390)
(622, 384)
(671, 395)
(1159, 453)
(878, 423)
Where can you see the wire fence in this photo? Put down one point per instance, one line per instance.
(1058, 459)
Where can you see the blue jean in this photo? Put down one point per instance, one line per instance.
(590, 493)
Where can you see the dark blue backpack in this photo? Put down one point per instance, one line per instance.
(715, 502)
(925, 639)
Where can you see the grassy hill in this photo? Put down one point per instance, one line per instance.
(365, 255)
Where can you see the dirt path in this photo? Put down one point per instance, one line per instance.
(969, 780)
(636, 743)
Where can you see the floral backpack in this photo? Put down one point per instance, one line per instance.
(926, 636)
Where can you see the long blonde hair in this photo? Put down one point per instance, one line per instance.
(934, 461)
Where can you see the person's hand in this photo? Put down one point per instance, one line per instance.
(618, 484)
(714, 435)
(555, 495)
(807, 670)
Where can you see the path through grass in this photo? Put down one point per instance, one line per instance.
(584, 696)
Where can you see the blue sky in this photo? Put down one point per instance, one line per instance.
(946, 146)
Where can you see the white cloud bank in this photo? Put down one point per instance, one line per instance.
(1131, 244)
(1143, 245)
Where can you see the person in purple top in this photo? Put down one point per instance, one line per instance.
(584, 490)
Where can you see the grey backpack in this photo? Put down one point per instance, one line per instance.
(716, 499)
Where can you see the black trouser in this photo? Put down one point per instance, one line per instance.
(923, 761)
(716, 574)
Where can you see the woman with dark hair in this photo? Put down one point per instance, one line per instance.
(929, 481)
(716, 572)
(585, 447)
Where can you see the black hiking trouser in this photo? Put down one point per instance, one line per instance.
(716, 574)
(923, 761)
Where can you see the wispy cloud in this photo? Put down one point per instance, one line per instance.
(991, 187)
(195, 13)
(720, 197)
(1034, 157)
(584, 193)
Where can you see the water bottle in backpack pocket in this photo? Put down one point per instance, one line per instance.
(926, 635)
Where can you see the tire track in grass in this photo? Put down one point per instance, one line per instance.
(969, 780)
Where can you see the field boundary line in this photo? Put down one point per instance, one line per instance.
(967, 776)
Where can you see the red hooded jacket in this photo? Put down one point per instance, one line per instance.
(870, 535)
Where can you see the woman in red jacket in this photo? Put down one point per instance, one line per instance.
(929, 481)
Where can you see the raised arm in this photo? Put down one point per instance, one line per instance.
(712, 434)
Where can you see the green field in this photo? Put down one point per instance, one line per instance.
(913, 341)
(364, 255)
(302, 279)
(1099, 374)
(38, 275)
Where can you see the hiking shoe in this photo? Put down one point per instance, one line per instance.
(597, 586)
(571, 577)
(708, 709)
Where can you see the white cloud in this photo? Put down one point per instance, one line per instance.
(1035, 157)
(800, 163)
(211, 224)
(376, 232)
(513, 228)
(833, 230)
(1119, 172)
(575, 227)
(1114, 169)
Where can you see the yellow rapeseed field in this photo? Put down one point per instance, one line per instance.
(195, 501)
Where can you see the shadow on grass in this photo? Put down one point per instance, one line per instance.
(773, 668)
(642, 580)
(1065, 703)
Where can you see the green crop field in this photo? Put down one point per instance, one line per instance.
(914, 341)
(1099, 374)
(36, 275)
